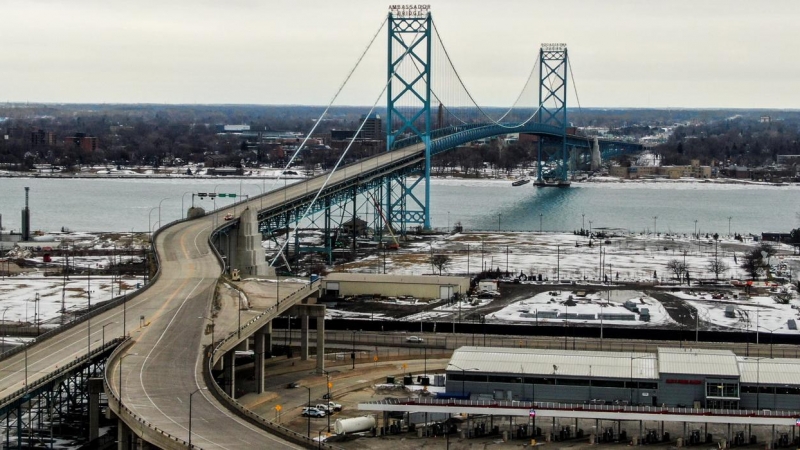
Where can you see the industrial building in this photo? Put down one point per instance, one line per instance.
(339, 285)
(672, 377)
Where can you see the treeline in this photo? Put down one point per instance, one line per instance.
(177, 134)
(739, 141)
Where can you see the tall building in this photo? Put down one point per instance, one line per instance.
(41, 138)
(84, 142)
(373, 128)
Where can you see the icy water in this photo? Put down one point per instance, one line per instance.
(127, 204)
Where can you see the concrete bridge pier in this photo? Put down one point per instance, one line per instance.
(95, 387)
(229, 373)
(303, 338)
(124, 436)
(262, 348)
(305, 311)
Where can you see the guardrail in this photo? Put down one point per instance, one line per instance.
(263, 318)
(63, 370)
(155, 435)
(111, 304)
(230, 402)
(590, 407)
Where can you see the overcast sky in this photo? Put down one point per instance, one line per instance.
(624, 53)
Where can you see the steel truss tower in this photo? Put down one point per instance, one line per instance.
(553, 67)
(409, 109)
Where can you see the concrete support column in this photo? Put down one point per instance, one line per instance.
(304, 338)
(243, 346)
(262, 347)
(320, 344)
(123, 436)
(229, 373)
(95, 387)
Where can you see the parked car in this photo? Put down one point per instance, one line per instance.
(324, 408)
(415, 339)
(312, 412)
(293, 385)
(333, 406)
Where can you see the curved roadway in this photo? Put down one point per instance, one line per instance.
(163, 365)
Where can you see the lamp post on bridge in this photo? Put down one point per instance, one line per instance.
(3, 345)
(190, 413)
(183, 211)
(104, 333)
(159, 209)
(119, 400)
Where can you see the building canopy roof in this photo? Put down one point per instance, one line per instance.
(555, 363)
(396, 279)
(693, 361)
(782, 371)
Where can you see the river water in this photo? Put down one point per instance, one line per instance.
(126, 204)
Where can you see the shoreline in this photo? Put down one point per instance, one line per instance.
(594, 180)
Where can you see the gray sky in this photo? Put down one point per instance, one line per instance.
(699, 53)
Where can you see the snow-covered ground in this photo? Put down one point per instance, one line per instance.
(565, 256)
(760, 313)
(629, 257)
(18, 293)
(567, 304)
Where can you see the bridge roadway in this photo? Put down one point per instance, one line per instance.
(164, 363)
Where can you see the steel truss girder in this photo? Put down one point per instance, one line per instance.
(282, 216)
(61, 394)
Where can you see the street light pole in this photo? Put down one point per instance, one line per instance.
(308, 413)
(190, 413)
(159, 210)
(3, 345)
(328, 384)
(729, 225)
(183, 211)
(463, 391)
(104, 333)
(119, 400)
(353, 353)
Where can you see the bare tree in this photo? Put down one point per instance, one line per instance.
(717, 267)
(440, 262)
(677, 267)
(753, 263)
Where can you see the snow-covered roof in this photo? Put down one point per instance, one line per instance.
(642, 366)
(781, 371)
(692, 361)
(395, 279)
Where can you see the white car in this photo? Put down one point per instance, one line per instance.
(312, 412)
(415, 339)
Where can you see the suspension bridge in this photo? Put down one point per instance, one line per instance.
(163, 364)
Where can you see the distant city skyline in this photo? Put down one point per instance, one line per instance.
(624, 53)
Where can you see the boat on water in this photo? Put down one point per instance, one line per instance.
(521, 182)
